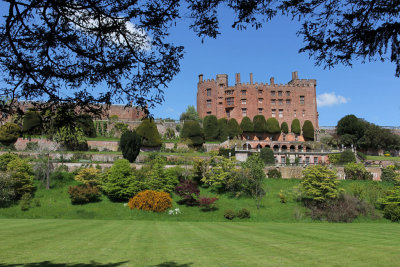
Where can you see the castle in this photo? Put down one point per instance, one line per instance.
(285, 102)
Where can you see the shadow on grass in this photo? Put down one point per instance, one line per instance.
(172, 264)
(51, 264)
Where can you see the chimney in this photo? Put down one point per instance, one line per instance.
(200, 78)
(251, 78)
(272, 81)
(237, 78)
(295, 76)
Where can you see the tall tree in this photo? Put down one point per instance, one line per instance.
(190, 115)
(223, 130)
(272, 126)
(210, 126)
(260, 124)
(308, 130)
(193, 132)
(284, 127)
(246, 125)
(234, 128)
(295, 127)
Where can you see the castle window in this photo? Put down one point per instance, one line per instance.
(230, 101)
(273, 112)
(260, 100)
(287, 93)
(243, 101)
(304, 113)
(209, 103)
(228, 113)
(208, 112)
(295, 113)
(280, 113)
(272, 101)
(302, 99)
(280, 101)
(287, 101)
(208, 91)
(260, 111)
(244, 112)
(272, 93)
(243, 92)
(279, 93)
(229, 92)
(260, 92)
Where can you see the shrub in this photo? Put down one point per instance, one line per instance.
(389, 174)
(188, 191)
(217, 176)
(223, 130)
(120, 127)
(9, 133)
(229, 214)
(72, 138)
(274, 173)
(150, 200)
(82, 194)
(267, 155)
(334, 158)
(89, 176)
(356, 171)
(192, 132)
(210, 126)
(295, 126)
(392, 212)
(130, 145)
(169, 134)
(200, 167)
(272, 126)
(247, 125)
(319, 184)
(233, 128)
(207, 203)
(243, 213)
(32, 146)
(149, 133)
(308, 130)
(85, 122)
(31, 122)
(25, 202)
(22, 174)
(255, 167)
(225, 152)
(284, 127)
(119, 182)
(347, 157)
(282, 197)
(7, 158)
(7, 192)
(361, 155)
(260, 124)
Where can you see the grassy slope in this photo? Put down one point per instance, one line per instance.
(383, 158)
(151, 243)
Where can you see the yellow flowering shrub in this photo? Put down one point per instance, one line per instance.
(88, 176)
(151, 201)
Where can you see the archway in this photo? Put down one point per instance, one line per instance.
(276, 148)
(284, 148)
(292, 148)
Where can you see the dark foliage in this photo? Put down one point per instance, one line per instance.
(246, 125)
(82, 194)
(130, 145)
(234, 129)
(149, 133)
(229, 214)
(192, 131)
(392, 212)
(295, 126)
(9, 133)
(260, 124)
(274, 173)
(210, 126)
(347, 156)
(284, 127)
(351, 125)
(85, 122)
(5, 159)
(308, 130)
(189, 191)
(225, 152)
(207, 203)
(243, 213)
(389, 175)
(32, 122)
(272, 126)
(223, 130)
(267, 155)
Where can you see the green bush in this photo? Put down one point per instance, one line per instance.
(85, 122)
(274, 173)
(32, 122)
(9, 133)
(22, 174)
(255, 167)
(130, 145)
(218, 175)
(234, 129)
(59, 178)
(32, 146)
(210, 126)
(389, 174)
(247, 125)
(192, 132)
(25, 202)
(295, 127)
(392, 212)
(229, 214)
(89, 176)
(319, 184)
(334, 158)
(82, 194)
(308, 130)
(223, 130)
(243, 213)
(361, 155)
(390, 203)
(267, 155)
(356, 171)
(260, 124)
(347, 156)
(149, 133)
(225, 152)
(272, 126)
(7, 192)
(72, 138)
(119, 182)
(5, 159)
(284, 127)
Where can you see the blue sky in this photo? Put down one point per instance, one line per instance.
(369, 91)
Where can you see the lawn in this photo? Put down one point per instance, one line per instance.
(383, 158)
(49, 242)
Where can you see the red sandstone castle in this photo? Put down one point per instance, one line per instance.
(285, 102)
